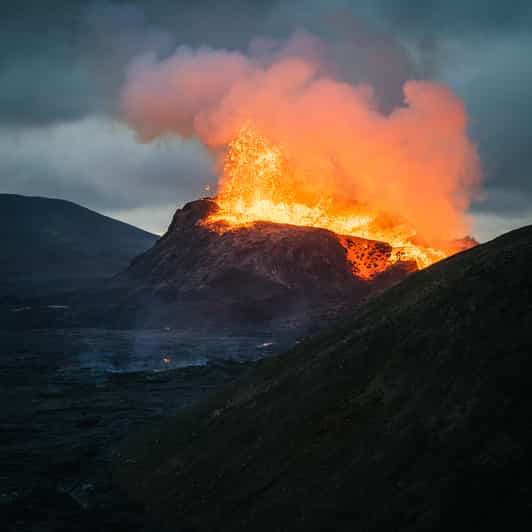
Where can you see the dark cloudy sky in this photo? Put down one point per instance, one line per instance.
(62, 64)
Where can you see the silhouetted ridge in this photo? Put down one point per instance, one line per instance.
(52, 245)
(411, 415)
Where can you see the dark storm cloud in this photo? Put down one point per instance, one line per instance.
(64, 61)
(40, 78)
(456, 15)
(502, 102)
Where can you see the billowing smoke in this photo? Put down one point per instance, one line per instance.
(415, 162)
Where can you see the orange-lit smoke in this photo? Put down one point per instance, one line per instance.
(415, 165)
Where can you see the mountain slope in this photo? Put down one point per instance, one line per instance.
(51, 245)
(414, 414)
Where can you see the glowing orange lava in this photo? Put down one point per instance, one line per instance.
(254, 188)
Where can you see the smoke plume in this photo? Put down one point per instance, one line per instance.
(415, 162)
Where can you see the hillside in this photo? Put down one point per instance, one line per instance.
(413, 414)
(51, 245)
(262, 274)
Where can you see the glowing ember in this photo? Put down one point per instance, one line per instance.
(254, 187)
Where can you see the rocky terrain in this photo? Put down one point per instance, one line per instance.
(52, 246)
(70, 396)
(412, 414)
(263, 274)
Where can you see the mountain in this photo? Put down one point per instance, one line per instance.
(51, 245)
(259, 274)
(412, 414)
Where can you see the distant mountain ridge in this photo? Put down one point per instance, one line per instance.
(52, 245)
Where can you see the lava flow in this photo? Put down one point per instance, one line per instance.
(258, 185)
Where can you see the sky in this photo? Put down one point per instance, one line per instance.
(63, 66)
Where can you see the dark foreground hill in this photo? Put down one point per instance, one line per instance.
(415, 414)
(51, 245)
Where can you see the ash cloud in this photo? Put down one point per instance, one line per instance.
(415, 162)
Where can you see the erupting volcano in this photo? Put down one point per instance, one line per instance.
(323, 197)
(304, 147)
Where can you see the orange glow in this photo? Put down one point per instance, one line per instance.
(306, 147)
(260, 184)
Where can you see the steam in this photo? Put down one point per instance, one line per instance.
(415, 162)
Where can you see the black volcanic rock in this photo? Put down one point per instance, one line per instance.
(256, 273)
(51, 246)
(414, 414)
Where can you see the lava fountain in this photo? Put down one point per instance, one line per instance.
(256, 185)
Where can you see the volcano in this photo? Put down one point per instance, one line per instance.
(255, 274)
(321, 199)
(270, 250)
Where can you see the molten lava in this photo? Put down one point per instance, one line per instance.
(258, 185)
